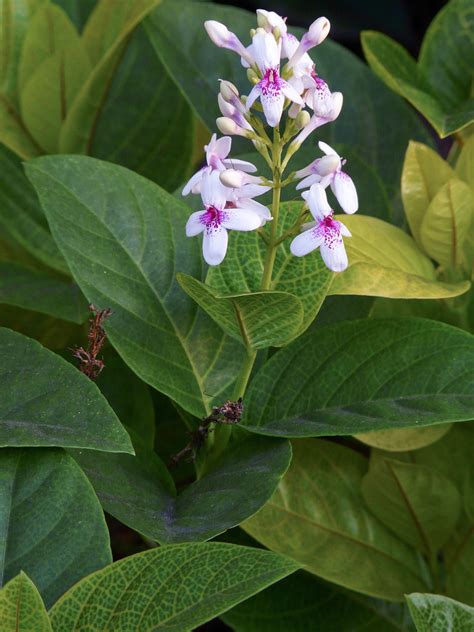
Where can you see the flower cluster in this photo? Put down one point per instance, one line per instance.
(227, 186)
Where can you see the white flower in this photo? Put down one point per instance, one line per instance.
(326, 233)
(217, 217)
(317, 120)
(316, 34)
(216, 158)
(328, 171)
(271, 89)
(222, 37)
(230, 111)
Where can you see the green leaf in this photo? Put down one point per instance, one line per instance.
(21, 215)
(385, 261)
(124, 240)
(52, 525)
(300, 602)
(129, 397)
(139, 491)
(434, 613)
(13, 133)
(417, 503)
(145, 123)
(307, 278)
(50, 91)
(15, 17)
(257, 319)
(420, 83)
(44, 401)
(25, 287)
(447, 225)
(329, 525)
(424, 174)
(459, 563)
(406, 439)
(21, 607)
(448, 70)
(78, 127)
(175, 587)
(364, 375)
(465, 163)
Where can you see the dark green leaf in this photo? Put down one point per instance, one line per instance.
(124, 240)
(329, 531)
(257, 319)
(434, 613)
(25, 287)
(364, 375)
(145, 123)
(139, 490)
(52, 526)
(301, 602)
(173, 588)
(21, 607)
(47, 402)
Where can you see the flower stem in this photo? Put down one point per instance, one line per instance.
(272, 245)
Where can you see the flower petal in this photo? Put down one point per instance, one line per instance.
(327, 149)
(306, 242)
(345, 192)
(214, 245)
(335, 256)
(213, 192)
(290, 92)
(193, 181)
(344, 230)
(253, 96)
(242, 165)
(318, 202)
(194, 225)
(222, 147)
(241, 219)
(266, 51)
(272, 104)
(308, 181)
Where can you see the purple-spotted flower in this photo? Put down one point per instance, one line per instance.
(271, 89)
(217, 152)
(328, 171)
(325, 233)
(217, 217)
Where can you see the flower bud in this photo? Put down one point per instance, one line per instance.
(336, 108)
(252, 33)
(252, 76)
(262, 19)
(228, 90)
(218, 33)
(229, 128)
(232, 178)
(327, 164)
(302, 119)
(276, 33)
(318, 31)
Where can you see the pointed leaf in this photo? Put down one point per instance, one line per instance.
(139, 491)
(21, 214)
(21, 607)
(307, 278)
(124, 240)
(52, 525)
(78, 129)
(424, 173)
(407, 439)
(44, 401)
(417, 503)
(145, 591)
(385, 261)
(328, 525)
(465, 163)
(13, 133)
(364, 375)
(25, 287)
(434, 613)
(257, 319)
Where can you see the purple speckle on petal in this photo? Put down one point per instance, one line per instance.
(330, 229)
(271, 83)
(212, 218)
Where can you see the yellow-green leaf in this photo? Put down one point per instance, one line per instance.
(49, 31)
(402, 439)
(328, 525)
(258, 319)
(465, 162)
(50, 92)
(447, 224)
(13, 133)
(385, 261)
(424, 173)
(21, 607)
(78, 128)
(420, 505)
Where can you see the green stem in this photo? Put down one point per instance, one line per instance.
(244, 376)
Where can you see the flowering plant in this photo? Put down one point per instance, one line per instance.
(258, 363)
